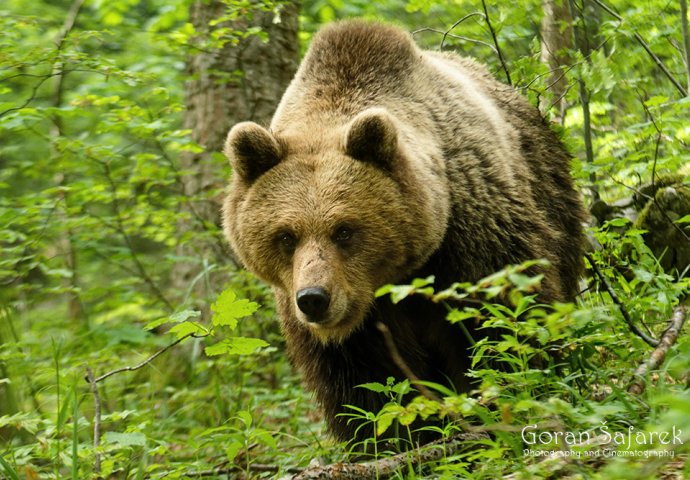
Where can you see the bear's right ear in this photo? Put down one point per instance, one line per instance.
(252, 150)
(373, 138)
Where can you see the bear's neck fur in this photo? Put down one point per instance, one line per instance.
(432, 348)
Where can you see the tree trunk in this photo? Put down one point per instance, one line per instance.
(75, 308)
(584, 35)
(686, 38)
(556, 40)
(242, 80)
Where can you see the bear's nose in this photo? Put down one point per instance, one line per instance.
(313, 302)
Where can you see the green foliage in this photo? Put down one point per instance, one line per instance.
(92, 198)
(560, 368)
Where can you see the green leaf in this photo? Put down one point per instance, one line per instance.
(525, 283)
(388, 414)
(422, 282)
(157, 323)
(617, 222)
(137, 439)
(374, 387)
(175, 317)
(232, 450)
(188, 328)
(236, 346)
(656, 100)
(8, 470)
(400, 292)
(245, 417)
(218, 349)
(184, 315)
(402, 388)
(267, 439)
(227, 310)
(685, 219)
(643, 274)
(382, 291)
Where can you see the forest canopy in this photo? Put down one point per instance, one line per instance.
(133, 345)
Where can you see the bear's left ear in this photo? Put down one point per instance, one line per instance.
(372, 137)
(252, 150)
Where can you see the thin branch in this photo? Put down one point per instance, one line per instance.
(128, 241)
(656, 359)
(626, 316)
(31, 98)
(69, 22)
(686, 37)
(583, 45)
(57, 66)
(35, 75)
(416, 382)
(75, 304)
(149, 359)
(587, 128)
(390, 466)
(656, 158)
(651, 198)
(647, 49)
(498, 48)
(560, 97)
(34, 241)
(452, 27)
(96, 420)
(402, 365)
(190, 202)
(452, 35)
(563, 69)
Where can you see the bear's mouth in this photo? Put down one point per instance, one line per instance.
(337, 330)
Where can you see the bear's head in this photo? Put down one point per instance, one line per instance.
(327, 224)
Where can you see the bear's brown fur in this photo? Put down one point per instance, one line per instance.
(384, 162)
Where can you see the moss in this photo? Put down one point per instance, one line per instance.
(669, 241)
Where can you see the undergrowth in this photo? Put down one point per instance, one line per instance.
(550, 387)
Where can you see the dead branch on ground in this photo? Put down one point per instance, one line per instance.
(668, 339)
(387, 467)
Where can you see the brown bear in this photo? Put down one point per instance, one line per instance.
(385, 162)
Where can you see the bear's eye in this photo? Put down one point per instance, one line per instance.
(286, 241)
(343, 235)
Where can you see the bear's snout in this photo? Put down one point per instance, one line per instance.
(313, 302)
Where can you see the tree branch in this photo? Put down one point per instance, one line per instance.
(626, 316)
(653, 197)
(389, 466)
(659, 354)
(498, 48)
(402, 365)
(254, 467)
(32, 97)
(447, 34)
(96, 420)
(583, 45)
(148, 360)
(469, 15)
(128, 241)
(75, 304)
(686, 37)
(647, 49)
